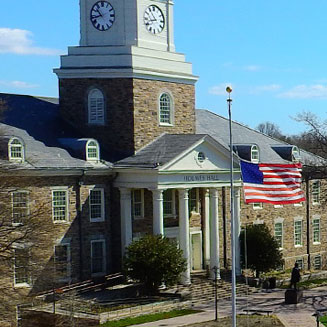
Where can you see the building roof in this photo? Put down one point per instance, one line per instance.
(161, 151)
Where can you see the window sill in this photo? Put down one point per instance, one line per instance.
(166, 125)
(316, 243)
(22, 285)
(298, 246)
(61, 222)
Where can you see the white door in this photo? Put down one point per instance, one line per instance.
(196, 251)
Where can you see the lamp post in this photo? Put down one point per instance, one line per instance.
(215, 270)
(229, 102)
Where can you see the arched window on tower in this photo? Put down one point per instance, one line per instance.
(92, 151)
(96, 107)
(165, 109)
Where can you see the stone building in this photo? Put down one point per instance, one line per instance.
(125, 153)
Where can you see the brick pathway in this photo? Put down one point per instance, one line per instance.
(298, 320)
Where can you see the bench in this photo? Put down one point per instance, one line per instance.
(267, 312)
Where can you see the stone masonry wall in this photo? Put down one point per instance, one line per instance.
(131, 118)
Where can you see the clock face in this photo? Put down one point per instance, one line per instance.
(102, 15)
(154, 19)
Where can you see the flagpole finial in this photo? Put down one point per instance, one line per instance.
(229, 89)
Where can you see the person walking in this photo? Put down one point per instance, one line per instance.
(296, 276)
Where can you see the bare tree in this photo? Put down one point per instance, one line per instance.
(270, 129)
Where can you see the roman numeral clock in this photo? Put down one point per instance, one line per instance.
(102, 15)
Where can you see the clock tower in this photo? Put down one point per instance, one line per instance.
(125, 84)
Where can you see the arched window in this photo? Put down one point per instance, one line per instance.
(254, 154)
(165, 109)
(16, 150)
(92, 151)
(96, 107)
(296, 154)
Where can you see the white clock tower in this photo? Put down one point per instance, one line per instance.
(126, 49)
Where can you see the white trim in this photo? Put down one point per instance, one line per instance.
(255, 149)
(96, 121)
(102, 218)
(296, 220)
(316, 193)
(104, 261)
(133, 204)
(171, 108)
(313, 231)
(12, 206)
(97, 147)
(279, 221)
(257, 206)
(29, 277)
(21, 145)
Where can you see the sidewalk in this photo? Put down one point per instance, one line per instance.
(293, 315)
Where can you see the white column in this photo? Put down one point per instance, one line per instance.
(214, 232)
(125, 218)
(207, 228)
(237, 225)
(184, 233)
(158, 225)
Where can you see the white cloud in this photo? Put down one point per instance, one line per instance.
(19, 41)
(264, 88)
(305, 92)
(18, 84)
(252, 68)
(219, 89)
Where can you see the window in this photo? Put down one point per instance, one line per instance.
(300, 263)
(62, 261)
(317, 262)
(59, 205)
(296, 154)
(20, 208)
(92, 151)
(96, 107)
(96, 203)
(194, 200)
(257, 206)
(138, 204)
(279, 234)
(98, 257)
(169, 203)
(16, 150)
(316, 230)
(165, 109)
(298, 232)
(278, 206)
(22, 267)
(254, 154)
(315, 192)
(201, 157)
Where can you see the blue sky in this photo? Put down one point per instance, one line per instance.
(272, 53)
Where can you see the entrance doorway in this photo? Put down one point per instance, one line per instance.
(196, 251)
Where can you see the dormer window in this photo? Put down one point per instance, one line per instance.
(92, 151)
(96, 107)
(16, 150)
(165, 109)
(254, 154)
(296, 154)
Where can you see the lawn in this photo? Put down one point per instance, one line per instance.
(243, 321)
(307, 284)
(323, 320)
(148, 318)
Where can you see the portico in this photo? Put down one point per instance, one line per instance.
(179, 196)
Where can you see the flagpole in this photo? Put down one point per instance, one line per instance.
(229, 101)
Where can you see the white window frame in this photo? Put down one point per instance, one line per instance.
(173, 204)
(314, 262)
(281, 244)
(257, 206)
(11, 146)
(28, 277)
(96, 95)
(296, 222)
(296, 157)
(69, 265)
(102, 217)
(255, 155)
(197, 200)
(171, 109)
(65, 190)
(134, 203)
(27, 208)
(278, 206)
(315, 192)
(314, 225)
(104, 262)
(96, 147)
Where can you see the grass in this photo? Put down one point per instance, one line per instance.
(307, 284)
(149, 318)
(323, 320)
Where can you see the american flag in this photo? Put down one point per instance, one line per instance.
(272, 183)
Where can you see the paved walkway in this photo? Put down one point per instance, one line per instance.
(293, 315)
